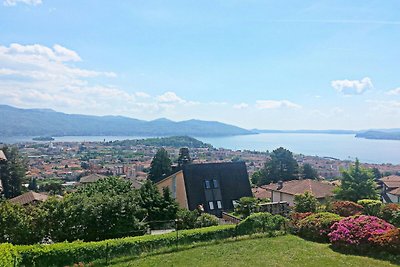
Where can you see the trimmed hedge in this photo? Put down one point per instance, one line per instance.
(61, 254)
(9, 256)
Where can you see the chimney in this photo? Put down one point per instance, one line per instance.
(280, 185)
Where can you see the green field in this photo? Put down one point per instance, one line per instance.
(278, 251)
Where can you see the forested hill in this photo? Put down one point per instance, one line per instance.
(172, 141)
(46, 122)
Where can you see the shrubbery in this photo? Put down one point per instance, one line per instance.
(9, 256)
(345, 208)
(261, 222)
(371, 207)
(305, 202)
(295, 218)
(358, 231)
(206, 220)
(317, 226)
(391, 213)
(389, 241)
(61, 254)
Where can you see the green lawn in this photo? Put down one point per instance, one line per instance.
(277, 251)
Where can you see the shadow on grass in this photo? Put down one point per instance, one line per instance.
(127, 258)
(378, 255)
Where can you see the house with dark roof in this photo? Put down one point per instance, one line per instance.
(285, 191)
(390, 189)
(29, 198)
(214, 186)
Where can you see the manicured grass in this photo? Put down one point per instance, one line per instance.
(276, 251)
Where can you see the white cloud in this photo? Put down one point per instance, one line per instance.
(241, 106)
(170, 97)
(142, 94)
(394, 91)
(352, 87)
(274, 104)
(27, 2)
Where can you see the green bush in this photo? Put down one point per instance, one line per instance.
(391, 213)
(346, 208)
(9, 256)
(206, 220)
(317, 226)
(261, 222)
(372, 207)
(61, 254)
(305, 202)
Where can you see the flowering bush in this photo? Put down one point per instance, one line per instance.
(391, 213)
(317, 226)
(346, 208)
(358, 230)
(389, 241)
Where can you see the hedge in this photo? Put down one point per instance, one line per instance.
(9, 256)
(61, 254)
(317, 226)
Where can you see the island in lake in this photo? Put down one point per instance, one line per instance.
(43, 138)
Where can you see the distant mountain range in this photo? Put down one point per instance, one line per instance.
(47, 122)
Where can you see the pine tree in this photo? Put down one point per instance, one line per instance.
(160, 166)
(281, 167)
(308, 172)
(184, 156)
(12, 172)
(357, 183)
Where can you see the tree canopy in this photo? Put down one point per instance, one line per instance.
(160, 166)
(281, 167)
(12, 172)
(357, 183)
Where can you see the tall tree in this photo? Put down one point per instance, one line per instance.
(160, 166)
(281, 167)
(357, 183)
(184, 156)
(12, 172)
(308, 172)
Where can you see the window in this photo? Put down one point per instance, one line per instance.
(219, 204)
(211, 205)
(207, 184)
(215, 183)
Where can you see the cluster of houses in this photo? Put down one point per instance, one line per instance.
(217, 187)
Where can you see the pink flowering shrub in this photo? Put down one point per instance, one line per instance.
(358, 231)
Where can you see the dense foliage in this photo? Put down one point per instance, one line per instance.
(262, 222)
(281, 167)
(246, 206)
(172, 141)
(371, 206)
(9, 256)
(109, 208)
(389, 241)
(12, 172)
(357, 183)
(358, 231)
(308, 172)
(317, 226)
(160, 166)
(345, 208)
(206, 220)
(391, 213)
(305, 202)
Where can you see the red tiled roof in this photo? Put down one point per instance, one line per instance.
(259, 192)
(91, 178)
(28, 198)
(392, 181)
(318, 189)
(395, 191)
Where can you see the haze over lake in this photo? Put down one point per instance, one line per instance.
(330, 145)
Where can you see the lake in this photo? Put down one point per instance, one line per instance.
(343, 147)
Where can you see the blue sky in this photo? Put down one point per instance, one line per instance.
(255, 64)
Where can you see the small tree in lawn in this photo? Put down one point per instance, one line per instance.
(357, 183)
(160, 166)
(305, 202)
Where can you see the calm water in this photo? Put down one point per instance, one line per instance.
(337, 146)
